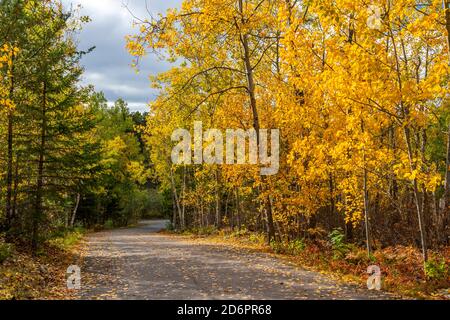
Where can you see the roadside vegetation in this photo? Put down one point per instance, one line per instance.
(29, 275)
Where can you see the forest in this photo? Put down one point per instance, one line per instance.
(358, 91)
(67, 158)
(359, 94)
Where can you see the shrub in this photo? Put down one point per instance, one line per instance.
(109, 224)
(358, 256)
(68, 239)
(277, 246)
(239, 233)
(436, 269)
(6, 250)
(317, 233)
(337, 240)
(205, 231)
(294, 247)
(257, 238)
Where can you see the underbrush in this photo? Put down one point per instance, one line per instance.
(67, 239)
(202, 231)
(25, 275)
(293, 247)
(109, 224)
(6, 250)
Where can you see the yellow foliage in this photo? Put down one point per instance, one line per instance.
(349, 98)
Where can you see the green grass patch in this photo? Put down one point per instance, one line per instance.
(67, 239)
(6, 250)
(293, 247)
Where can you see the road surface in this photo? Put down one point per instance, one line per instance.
(139, 263)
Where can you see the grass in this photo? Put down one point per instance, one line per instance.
(68, 239)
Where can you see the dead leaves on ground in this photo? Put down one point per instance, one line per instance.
(25, 276)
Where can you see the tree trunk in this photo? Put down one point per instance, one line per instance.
(218, 217)
(366, 200)
(417, 197)
(40, 173)
(366, 215)
(183, 206)
(9, 166)
(333, 214)
(446, 4)
(75, 210)
(174, 213)
(446, 209)
(202, 215)
(270, 224)
(175, 195)
(15, 190)
(238, 210)
(226, 205)
(348, 231)
(256, 124)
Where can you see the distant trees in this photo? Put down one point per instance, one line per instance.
(119, 191)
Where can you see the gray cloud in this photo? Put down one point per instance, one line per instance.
(108, 67)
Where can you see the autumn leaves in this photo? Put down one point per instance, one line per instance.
(7, 54)
(362, 111)
(233, 152)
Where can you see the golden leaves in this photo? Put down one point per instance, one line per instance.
(356, 89)
(7, 54)
(341, 92)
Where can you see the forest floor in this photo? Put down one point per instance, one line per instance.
(142, 263)
(42, 275)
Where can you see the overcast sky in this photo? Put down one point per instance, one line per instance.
(108, 67)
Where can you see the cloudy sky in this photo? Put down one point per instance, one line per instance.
(108, 67)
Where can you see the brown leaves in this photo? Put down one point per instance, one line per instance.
(25, 276)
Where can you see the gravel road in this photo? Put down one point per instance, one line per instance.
(140, 263)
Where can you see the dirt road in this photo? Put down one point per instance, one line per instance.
(139, 263)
